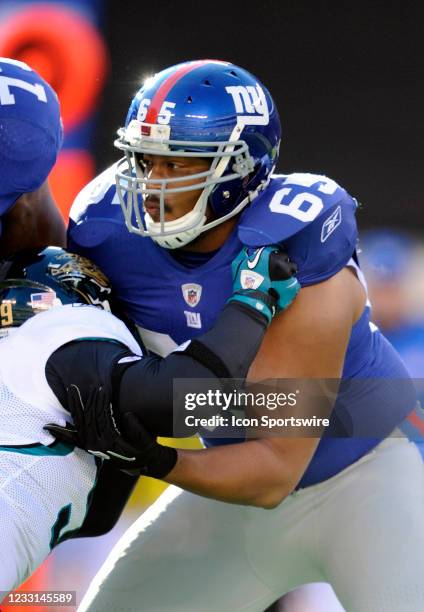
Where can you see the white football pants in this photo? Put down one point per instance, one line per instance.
(362, 531)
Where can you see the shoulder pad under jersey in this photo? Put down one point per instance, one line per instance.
(96, 213)
(95, 196)
(289, 204)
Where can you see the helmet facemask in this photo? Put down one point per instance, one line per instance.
(198, 109)
(230, 161)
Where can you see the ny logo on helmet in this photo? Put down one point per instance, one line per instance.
(250, 102)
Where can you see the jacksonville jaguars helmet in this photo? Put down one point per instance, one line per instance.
(35, 280)
(209, 109)
(30, 130)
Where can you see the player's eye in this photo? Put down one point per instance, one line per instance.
(172, 165)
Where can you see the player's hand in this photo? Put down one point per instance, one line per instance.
(152, 459)
(95, 430)
(264, 279)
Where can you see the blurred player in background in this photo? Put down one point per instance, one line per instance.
(388, 260)
(53, 364)
(30, 138)
(201, 141)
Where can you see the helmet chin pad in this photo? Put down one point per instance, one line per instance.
(176, 234)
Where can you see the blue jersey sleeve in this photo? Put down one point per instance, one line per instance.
(325, 246)
(312, 217)
(95, 217)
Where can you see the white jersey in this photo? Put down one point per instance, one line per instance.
(44, 485)
(26, 401)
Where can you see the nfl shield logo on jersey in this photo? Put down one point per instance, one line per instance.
(192, 293)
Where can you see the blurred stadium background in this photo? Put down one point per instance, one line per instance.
(348, 81)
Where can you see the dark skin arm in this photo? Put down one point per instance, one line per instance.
(33, 221)
(308, 340)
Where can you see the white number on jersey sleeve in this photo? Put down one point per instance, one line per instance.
(6, 96)
(293, 207)
(304, 206)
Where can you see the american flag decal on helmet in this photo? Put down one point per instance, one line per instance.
(43, 301)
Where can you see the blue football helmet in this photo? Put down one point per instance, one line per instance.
(30, 131)
(209, 109)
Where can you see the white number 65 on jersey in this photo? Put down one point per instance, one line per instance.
(295, 207)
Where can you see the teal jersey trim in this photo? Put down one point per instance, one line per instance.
(95, 339)
(56, 448)
(63, 518)
(74, 532)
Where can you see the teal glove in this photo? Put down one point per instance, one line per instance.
(264, 279)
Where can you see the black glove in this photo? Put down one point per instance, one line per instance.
(152, 459)
(96, 431)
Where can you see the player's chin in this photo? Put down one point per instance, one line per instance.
(153, 214)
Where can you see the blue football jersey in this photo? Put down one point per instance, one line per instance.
(173, 296)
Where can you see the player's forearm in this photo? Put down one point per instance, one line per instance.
(250, 473)
(236, 337)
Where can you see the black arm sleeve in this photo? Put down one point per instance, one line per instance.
(226, 351)
(235, 339)
(145, 386)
